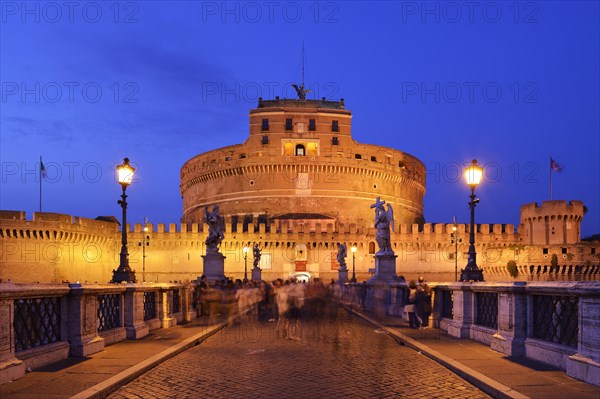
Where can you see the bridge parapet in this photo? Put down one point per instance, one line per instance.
(552, 322)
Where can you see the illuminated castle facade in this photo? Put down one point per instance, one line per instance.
(299, 186)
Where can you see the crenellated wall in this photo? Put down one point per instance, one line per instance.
(56, 248)
(552, 223)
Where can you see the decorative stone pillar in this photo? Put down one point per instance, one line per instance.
(512, 321)
(187, 300)
(135, 326)
(463, 303)
(165, 308)
(385, 268)
(342, 275)
(256, 274)
(82, 323)
(585, 364)
(11, 368)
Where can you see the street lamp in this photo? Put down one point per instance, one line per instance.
(455, 240)
(353, 249)
(124, 273)
(471, 272)
(145, 243)
(245, 264)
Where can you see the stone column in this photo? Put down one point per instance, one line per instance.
(512, 321)
(165, 308)
(82, 324)
(185, 302)
(11, 368)
(463, 304)
(585, 364)
(135, 326)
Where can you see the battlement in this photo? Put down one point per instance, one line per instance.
(296, 103)
(554, 222)
(54, 226)
(13, 224)
(552, 208)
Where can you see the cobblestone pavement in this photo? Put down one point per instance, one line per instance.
(338, 356)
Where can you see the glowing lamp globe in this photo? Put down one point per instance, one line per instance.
(125, 173)
(473, 174)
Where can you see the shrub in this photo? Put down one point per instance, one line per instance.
(511, 266)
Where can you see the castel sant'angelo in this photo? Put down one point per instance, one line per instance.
(298, 186)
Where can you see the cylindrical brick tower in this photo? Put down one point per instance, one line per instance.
(300, 162)
(552, 223)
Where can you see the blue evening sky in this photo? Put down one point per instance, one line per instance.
(85, 84)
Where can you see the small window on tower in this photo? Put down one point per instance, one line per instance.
(334, 126)
(265, 140)
(335, 141)
(288, 124)
(373, 159)
(545, 251)
(300, 151)
(563, 250)
(357, 156)
(265, 124)
(312, 125)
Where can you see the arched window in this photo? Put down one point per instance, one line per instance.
(371, 247)
(300, 151)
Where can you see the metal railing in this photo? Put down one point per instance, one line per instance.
(109, 312)
(555, 319)
(486, 305)
(447, 310)
(176, 302)
(36, 322)
(149, 305)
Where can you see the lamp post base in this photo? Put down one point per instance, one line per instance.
(123, 275)
(469, 274)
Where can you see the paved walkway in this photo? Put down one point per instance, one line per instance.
(339, 356)
(496, 373)
(342, 356)
(104, 370)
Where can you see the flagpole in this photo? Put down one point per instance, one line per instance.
(550, 178)
(40, 184)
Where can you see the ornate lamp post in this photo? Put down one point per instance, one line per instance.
(124, 273)
(471, 272)
(245, 264)
(145, 243)
(353, 258)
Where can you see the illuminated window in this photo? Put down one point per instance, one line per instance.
(300, 150)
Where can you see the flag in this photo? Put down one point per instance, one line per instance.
(42, 169)
(555, 166)
(454, 219)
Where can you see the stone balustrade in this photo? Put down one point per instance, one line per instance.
(557, 323)
(42, 324)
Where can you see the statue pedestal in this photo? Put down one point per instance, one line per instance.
(385, 268)
(256, 274)
(342, 276)
(214, 266)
